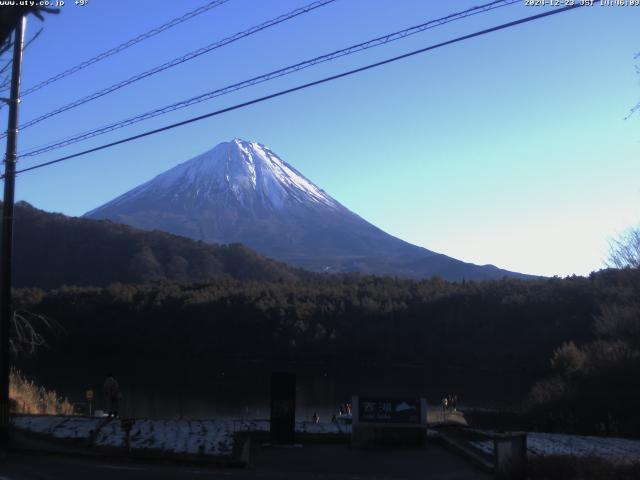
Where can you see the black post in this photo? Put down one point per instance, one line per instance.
(283, 407)
(7, 231)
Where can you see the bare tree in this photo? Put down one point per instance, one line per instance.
(27, 331)
(636, 107)
(624, 251)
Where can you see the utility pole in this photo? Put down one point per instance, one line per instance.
(6, 247)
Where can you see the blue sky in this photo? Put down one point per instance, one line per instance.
(509, 149)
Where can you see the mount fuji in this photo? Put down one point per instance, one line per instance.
(243, 192)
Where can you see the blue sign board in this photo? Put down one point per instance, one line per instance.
(389, 410)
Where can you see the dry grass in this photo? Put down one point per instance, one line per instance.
(574, 468)
(27, 397)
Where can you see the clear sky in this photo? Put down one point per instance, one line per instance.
(509, 149)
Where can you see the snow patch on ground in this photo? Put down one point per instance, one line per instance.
(59, 427)
(545, 444)
(199, 437)
(333, 428)
(111, 435)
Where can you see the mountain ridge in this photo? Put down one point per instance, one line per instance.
(243, 192)
(52, 249)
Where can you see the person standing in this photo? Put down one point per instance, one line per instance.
(112, 396)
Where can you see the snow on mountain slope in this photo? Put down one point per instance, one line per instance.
(242, 191)
(248, 171)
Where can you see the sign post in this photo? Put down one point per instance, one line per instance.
(89, 396)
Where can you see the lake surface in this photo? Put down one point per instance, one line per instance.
(232, 390)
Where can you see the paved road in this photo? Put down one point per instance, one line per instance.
(329, 462)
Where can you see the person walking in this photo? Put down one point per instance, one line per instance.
(112, 396)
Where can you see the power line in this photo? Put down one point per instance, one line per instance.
(125, 45)
(10, 62)
(179, 60)
(302, 87)
(268, 76)
(7, 81)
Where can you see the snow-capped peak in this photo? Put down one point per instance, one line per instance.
(248, 171)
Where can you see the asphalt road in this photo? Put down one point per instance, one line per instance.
(329, 462)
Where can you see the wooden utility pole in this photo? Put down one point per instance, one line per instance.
(6, 247)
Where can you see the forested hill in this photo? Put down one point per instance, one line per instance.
(503, 324)
(53, 250)
(506, 329)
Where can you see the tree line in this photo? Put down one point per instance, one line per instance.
(566, 334)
